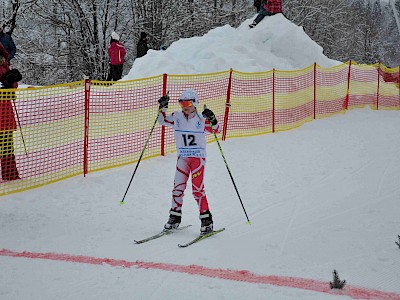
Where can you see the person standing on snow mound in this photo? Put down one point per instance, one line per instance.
(268, 8)
(190, 138)
(257, 5)
(142, 47)
(117, 53)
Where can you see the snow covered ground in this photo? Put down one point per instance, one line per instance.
(321, 197)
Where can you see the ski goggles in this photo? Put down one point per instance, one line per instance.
(186, 103)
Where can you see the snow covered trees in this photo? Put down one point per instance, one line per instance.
(67, 40)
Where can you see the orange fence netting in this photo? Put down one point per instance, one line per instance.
(64, 130)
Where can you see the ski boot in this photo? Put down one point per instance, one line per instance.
(174, 220)
(206, 222)
(254, 24)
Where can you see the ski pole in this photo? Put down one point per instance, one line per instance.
(20, 128)
(229, 171)
(140, 158)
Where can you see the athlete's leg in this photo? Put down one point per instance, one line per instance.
(197, 166)
(181, 177)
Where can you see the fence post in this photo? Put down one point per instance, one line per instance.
(227, 106)
(164, 92)
(315, 89)
(346, 103)
(273, 100)
(86, 134)
(377, 91)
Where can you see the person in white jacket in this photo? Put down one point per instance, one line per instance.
(190, 130)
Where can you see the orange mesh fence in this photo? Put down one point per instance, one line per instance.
(48, 141)
(212, 91)
(120, 117)
(389, 92)
(331, 90)
(294, 98)
(51, 133)
(250, 107)
(363, 86)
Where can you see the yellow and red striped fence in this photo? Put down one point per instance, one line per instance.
(76, 128)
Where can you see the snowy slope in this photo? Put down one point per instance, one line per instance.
(324, 196)
(274, 43)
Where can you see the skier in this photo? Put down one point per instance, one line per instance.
(190, 138)
(117, 53)
(268, 8)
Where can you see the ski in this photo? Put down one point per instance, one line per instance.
(160, 234)
(201, 237)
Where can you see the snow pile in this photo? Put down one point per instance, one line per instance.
(275, 43)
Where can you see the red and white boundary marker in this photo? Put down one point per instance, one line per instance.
(234, 275)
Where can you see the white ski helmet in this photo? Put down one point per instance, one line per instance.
(190, 94)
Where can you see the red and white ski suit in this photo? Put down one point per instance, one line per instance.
(190, 139)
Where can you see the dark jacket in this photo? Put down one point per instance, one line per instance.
(141, 48)
(8, 44)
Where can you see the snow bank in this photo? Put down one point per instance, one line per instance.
(275, 43)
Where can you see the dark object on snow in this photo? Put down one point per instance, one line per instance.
(10, 77)
(337, 283)
(398, 243)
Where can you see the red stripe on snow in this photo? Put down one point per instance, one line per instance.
(235, 275)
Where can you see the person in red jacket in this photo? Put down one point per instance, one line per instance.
(268, 8)
(117, 53)
(7, 122)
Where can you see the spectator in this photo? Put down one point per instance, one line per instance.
(7, 120)
(257, 5)
(141, 47)
(268, 8)
(7, 42)
(117, 53)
